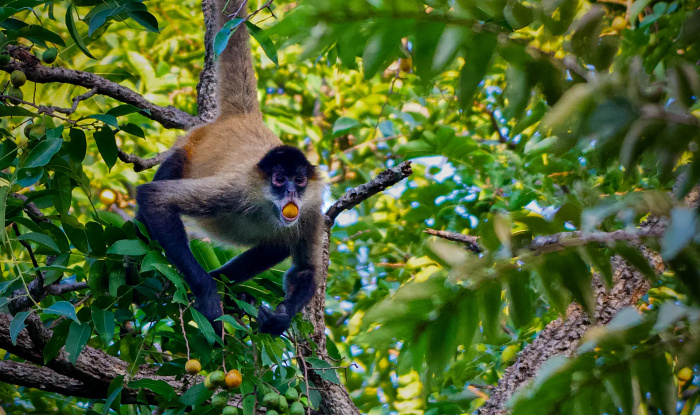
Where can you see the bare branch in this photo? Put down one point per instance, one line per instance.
(143, 164)
(550, 243)
(39, 377)
(60, 289)
(356, 195)
(169, 117)
(470, 240)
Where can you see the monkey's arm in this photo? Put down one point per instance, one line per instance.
(161, 203)
(299, 284)
(252, 262)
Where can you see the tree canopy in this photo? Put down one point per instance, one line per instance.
(512, 207)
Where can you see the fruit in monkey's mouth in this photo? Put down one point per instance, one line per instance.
(290, 211)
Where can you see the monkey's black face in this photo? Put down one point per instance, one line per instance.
(289, 173)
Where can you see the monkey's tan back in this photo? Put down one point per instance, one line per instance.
(227, 146)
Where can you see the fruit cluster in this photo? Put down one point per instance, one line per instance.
(283, 404)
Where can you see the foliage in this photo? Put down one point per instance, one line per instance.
(523, 119)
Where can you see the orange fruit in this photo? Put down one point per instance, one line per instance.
(290, 211)
(233, 379)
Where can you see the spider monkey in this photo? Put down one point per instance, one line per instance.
(237, 181)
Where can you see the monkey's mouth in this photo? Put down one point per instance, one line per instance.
(290, 212)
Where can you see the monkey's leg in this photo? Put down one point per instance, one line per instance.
(300, 285)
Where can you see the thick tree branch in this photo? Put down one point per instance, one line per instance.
(336, 399)
(39, 377)
(169, 117)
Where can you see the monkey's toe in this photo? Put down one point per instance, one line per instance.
(273, 323)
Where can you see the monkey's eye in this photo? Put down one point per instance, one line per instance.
(300, 181)
(278, 180)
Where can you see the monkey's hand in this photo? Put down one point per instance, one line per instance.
(209, 304)
(276, 322)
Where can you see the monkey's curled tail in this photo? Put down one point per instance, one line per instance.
(237, 86)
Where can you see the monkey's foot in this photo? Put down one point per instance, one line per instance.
(274, 323)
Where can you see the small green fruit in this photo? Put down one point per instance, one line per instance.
(220, 400)
(49, 56)
(208, 384)
(283, 405)
(272, 412)
(230, 410)
(271, 400)
(18, 78)
(4, 59)
(291, 395)
(217, 378)
(296, 409)
(14, 93)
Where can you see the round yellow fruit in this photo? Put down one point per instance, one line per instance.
(619, 23)
(108, 197)
(233, 379)
(685, 374)
(208, 384)
(193, 366)
(290, 211)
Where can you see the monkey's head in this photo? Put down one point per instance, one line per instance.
(288, 173)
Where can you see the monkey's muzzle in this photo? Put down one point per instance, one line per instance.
(290, 212)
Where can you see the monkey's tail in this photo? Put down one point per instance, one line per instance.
(237, 86)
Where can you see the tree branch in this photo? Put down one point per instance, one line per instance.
(355, 196)
(143, 164)
(39, 377)
(469, 240)
(169, 117)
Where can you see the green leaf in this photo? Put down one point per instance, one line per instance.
(17, 325)
(15, 111)
(117, 279)
(62, 308)
(205, 255)
(637, 7)
(104, 323)
(196, 395)
(106, 118)
(145, 19)
(663, 390)
(73, 31)
(264, 40)
(77, 146)
(42, 153)
(133, 247)
(520, 303)
(123, 109)
(133, 129)
(78, 237)
(40, 239)
(78, 336)
(40, 35)
(57, 341)
(4, 191)
(344, 125)
(329, 374)
(205, 327)
(474, 69)
(107, 145)
(683, 227)
(232, 321)
(249, 309)
(114, 394)
(159, 387)
(222, 37)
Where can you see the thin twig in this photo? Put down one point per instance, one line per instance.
(469, 240)
(184, 335)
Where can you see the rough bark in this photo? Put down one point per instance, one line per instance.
(562, 336)
(336, 399)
